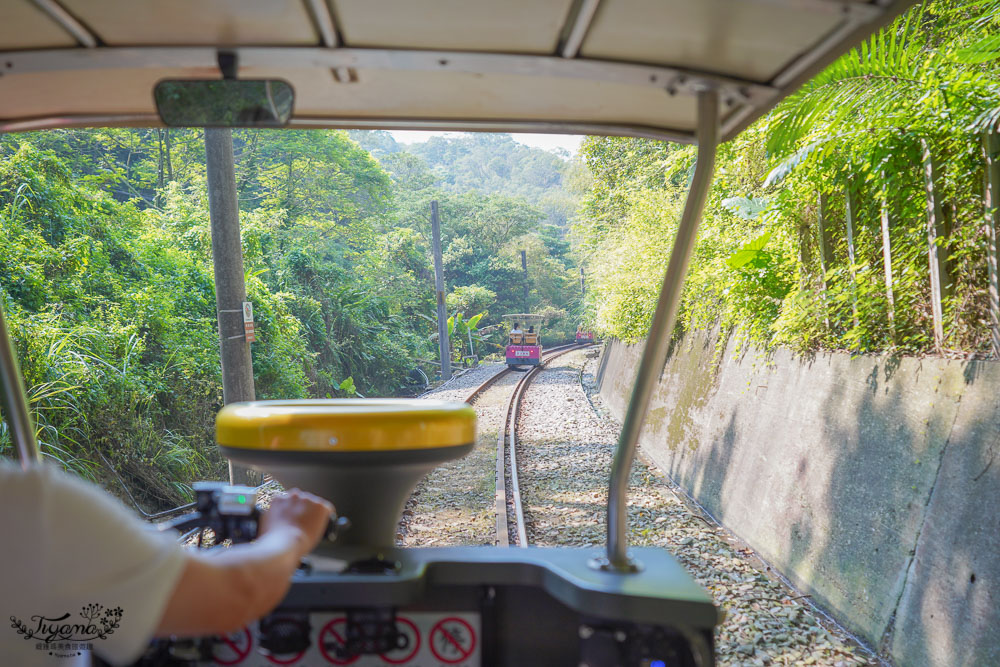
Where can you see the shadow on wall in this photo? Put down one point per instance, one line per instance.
(857, 478)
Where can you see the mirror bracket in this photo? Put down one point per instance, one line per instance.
(228, 64)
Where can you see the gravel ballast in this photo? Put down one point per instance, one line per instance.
(566, 440)
(454, 505)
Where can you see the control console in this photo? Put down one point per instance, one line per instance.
(467, 606)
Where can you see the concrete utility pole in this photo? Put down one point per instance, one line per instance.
(443, 345)
(524, 267)
(230, 288)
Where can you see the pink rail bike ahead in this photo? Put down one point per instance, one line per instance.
(524, 347)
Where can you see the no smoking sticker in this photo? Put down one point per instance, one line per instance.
(452, 640)
(232, 649)
(333, 640)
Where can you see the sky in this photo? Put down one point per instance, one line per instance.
(571, 142)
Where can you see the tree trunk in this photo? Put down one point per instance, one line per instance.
(166, 144)
(936, 252)
(159, 174)
(991, 147)
(444, 346)
(230, 288)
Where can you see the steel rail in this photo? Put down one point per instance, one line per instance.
(654, 355)
(515, 487)
(507, 440)
(502, 534)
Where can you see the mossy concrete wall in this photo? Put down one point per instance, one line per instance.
(871, 483)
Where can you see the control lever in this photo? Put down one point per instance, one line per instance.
(231, 513)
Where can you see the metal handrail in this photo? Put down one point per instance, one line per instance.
(654, 355)
(14, 401)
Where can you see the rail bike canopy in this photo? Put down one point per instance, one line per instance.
(612, 67)
(683, 70)
(525, 317)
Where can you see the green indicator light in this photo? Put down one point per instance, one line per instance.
(241, 499)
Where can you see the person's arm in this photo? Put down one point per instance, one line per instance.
(222, 591)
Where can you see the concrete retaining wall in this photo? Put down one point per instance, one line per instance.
(872, 483)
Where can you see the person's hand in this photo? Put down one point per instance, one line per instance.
(301, 512)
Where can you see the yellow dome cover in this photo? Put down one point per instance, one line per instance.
(345, 425)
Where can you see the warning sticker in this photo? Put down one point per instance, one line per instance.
(234, 648)
(333, 642)
(249, 328)
(409, 644)
(427, 639)
(452, 640)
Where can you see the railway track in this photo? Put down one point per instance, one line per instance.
(509, 511)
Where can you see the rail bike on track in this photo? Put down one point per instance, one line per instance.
(661, 70)
(524, 346)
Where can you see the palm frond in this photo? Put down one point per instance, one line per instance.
(872, 83)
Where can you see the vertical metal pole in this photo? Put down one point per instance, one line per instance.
(524, 268)
(443, 345)
(230, 288)
(825, 238)
(825, 252)
(935, 253)
(14, 401)
(887, 261)
(991, 144)
(654, 355)
(851, 209)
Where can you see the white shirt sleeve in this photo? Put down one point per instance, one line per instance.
(70, 548)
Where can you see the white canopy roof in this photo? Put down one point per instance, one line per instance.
(578, 66)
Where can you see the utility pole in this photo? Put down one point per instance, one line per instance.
(443, 345)
(583, 283)
(524, 267)
(230, 288)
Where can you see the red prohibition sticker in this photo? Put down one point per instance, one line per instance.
(452, 640)
(333, 636)
(233, 648)
(286, 661)
(400, 655)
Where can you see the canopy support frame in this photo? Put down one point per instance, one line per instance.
(654, 355)
(14, 401)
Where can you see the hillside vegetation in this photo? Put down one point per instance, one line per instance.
(106, 279)
(853, 217)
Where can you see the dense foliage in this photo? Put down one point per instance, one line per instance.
(791, 250)
(107, 282)
(495, 200)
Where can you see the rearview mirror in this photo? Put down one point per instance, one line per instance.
(224, 103)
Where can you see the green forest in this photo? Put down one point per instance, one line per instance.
(855, 216)
(859, 215)
(106, 276)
